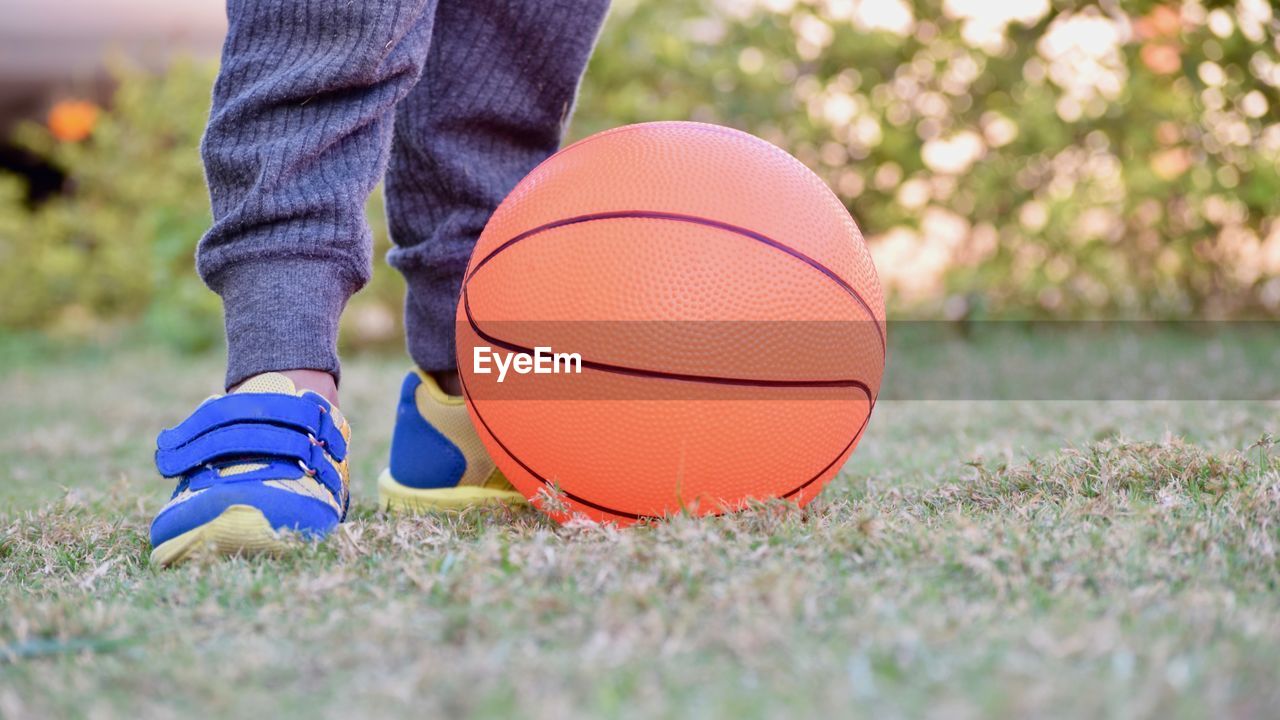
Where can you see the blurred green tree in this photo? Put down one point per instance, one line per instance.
(1011, 158)
(119, 243)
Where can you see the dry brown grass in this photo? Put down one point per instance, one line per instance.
(964, 565)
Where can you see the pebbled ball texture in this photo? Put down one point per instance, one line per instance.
(726, 309)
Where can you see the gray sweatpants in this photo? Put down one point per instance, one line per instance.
(452, 100)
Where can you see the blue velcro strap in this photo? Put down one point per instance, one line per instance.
(309, 413)
(269, 470)
(251, 443)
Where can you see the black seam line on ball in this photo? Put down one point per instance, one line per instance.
(664, 375)
(633, 516)
(696, 220)
(846, 449)
(538, 476)
(475, 407)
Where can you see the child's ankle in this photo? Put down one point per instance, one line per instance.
(448, 381)
(317, 381)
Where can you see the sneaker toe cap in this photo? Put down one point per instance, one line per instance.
(283, 509)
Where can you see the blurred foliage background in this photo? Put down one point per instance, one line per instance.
(1005, 158)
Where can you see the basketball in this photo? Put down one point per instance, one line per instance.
(670, 317)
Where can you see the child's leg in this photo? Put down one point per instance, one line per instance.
(497, 92)
(493, 102)
(298, 136)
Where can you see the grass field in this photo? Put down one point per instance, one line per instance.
(975, 558)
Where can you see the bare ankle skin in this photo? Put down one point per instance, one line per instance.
(316, 381)
(448, 381)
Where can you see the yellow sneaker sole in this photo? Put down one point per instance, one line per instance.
(394, 497)
(239, 530)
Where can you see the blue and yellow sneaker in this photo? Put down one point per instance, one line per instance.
(249, 466)
(438, 462)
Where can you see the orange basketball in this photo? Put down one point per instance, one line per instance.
(723, 309)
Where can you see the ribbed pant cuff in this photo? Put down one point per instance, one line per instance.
(282, 315)
(430, 312)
